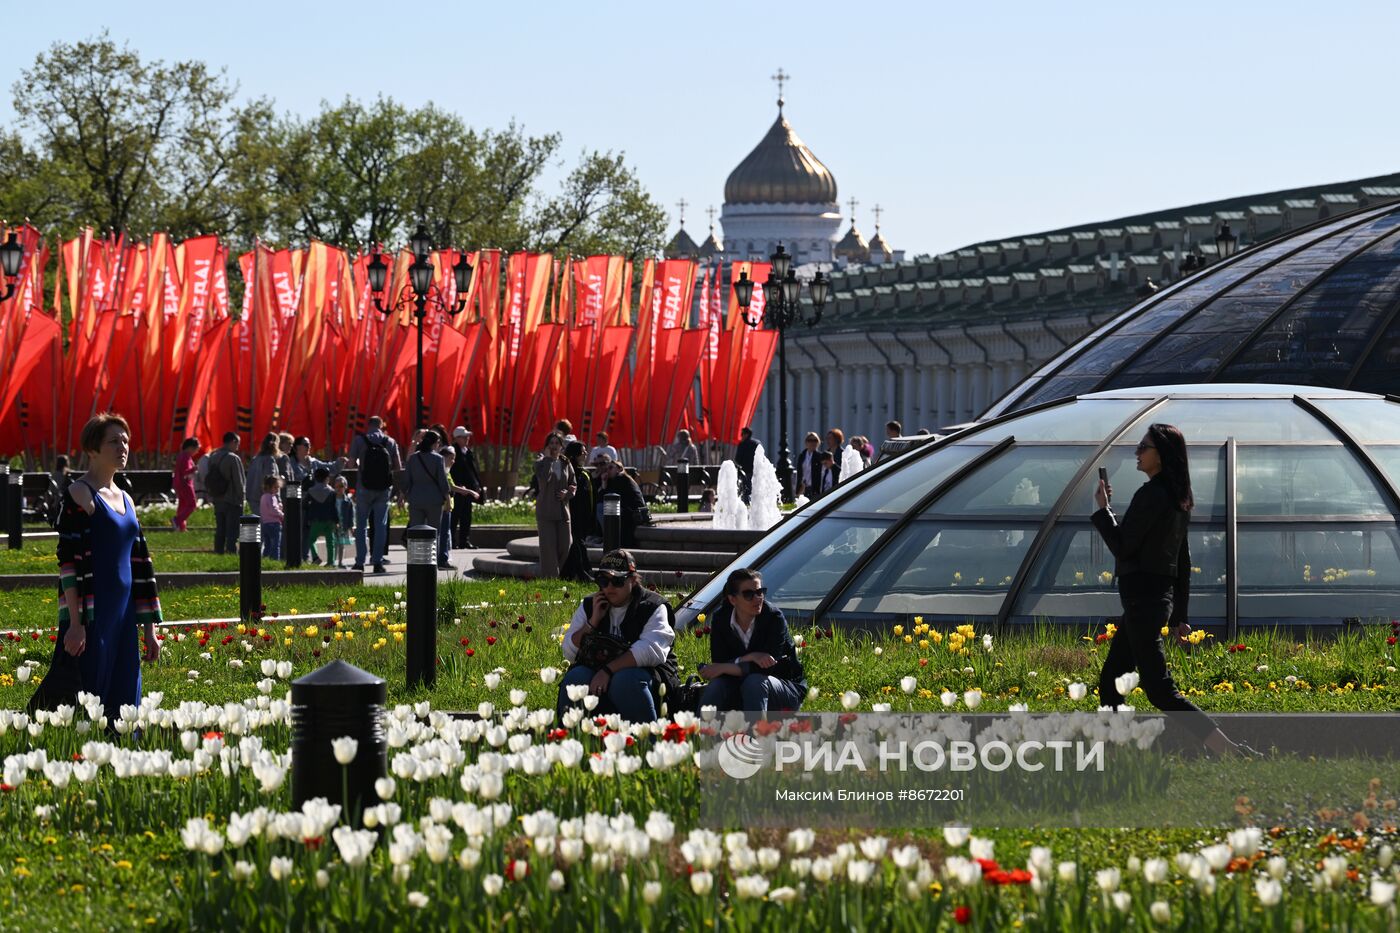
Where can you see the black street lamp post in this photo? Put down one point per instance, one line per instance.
(781, 294)
(420, 293)
(1225, 241)
(11, 258)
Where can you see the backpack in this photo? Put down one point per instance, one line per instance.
(376, 469)
(216, 480)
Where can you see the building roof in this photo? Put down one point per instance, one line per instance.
(681, 246)
(780, 170)
(853, 247)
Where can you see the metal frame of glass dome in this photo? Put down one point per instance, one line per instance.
(1249, 269)
(1059, 519)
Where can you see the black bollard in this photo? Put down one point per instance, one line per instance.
(5, 495)
(421, 543)
(683, 486)
(612, 522)
(292, 545)
(249, 566)
(333, 702)
(15, 508)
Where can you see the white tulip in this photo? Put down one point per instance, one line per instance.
(784, 895)
(1078, 691)
(651, 892)
(1126, 683)
(549, 674)
(556, 880)
(956, 836)
(417, 899)
(345, 749)
(1123, 901)
(701, 883)
(492, 681)
(384, 787)
(909, 684)
(1154, 870)
(1161, 912)
(1269, 890)
(1382, 892)
(948, 697)
(492, 885)
(1108, 879)
(973, 698)
(22, 674)
(280, 868)
(518, 697)
(1067, 872)
(850, 700)
(1278, 867)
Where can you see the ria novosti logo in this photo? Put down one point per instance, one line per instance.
(740, 756)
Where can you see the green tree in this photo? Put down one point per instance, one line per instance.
(601, 209)
(137, 145)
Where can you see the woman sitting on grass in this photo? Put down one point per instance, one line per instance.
(753, 661)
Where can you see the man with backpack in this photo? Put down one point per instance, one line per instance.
(224, 486)
(376, 456)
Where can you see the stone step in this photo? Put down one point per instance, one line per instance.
(679, 537)
(529, 549)
(665, 580)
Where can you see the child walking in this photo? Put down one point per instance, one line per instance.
(345, 510)
(323, 513)
(270, 512)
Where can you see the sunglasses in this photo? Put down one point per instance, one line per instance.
(754, 593)
(610, 579)
(1145, 446)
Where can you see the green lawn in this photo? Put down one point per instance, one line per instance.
(516, 625)
(171, 552)
(111, 853)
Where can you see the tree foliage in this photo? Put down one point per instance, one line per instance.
(109, 140)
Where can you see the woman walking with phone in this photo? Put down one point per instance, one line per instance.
(1153, 570)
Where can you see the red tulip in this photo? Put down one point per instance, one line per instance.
(963, 915)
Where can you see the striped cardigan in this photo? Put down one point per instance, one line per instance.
(75, 566)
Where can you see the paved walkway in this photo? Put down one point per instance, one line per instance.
(398, 565)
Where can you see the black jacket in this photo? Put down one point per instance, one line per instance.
(744, 455)
(1151, 539)
(642, 607)
(770, 635)
(464, 471)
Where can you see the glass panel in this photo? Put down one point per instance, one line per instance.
(899, 492)
(1370, 421)
(801, 574)
(1305, 481)
(1207, 482)
(1389, 460)
(1073, 578)
(1058, 387)
(1299, 572)
(1216, 419)
(940, 569)
(1104, 357)
(1023, 482)
(1078, 421)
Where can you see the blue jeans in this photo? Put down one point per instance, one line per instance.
(629, 693)
(371, 505)
(445, 539)
(272, 540)
(753, 694)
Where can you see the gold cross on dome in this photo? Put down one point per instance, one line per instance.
(878, 211)
(711, 211)
(682, 204)
(853, 202)
(782, 77)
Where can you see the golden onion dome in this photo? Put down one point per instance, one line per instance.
(681, 246)
(853, 247)
(880, 245)
(780, 170)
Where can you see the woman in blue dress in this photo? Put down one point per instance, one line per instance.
(106, 581)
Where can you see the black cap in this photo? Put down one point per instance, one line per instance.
(618, 561)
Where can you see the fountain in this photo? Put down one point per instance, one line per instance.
(851, 463)
(764, 512)
(730, 512)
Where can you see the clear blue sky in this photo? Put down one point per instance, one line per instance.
(965, 121)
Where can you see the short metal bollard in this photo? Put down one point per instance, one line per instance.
(15, 509)
(249, 566)
(683, 486)
(338, 701)
(5, 495)
(612, 522)
(421, 640)
(292, 544)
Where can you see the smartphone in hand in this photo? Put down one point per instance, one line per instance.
(1103, 477)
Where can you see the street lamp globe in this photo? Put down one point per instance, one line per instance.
(743, 290)
(792, 289)
(420, 243)
(11, 255)
(1225, 241)
(819, 287)
(781, 262)
(377, 271)
(421, 275)
(462, 274)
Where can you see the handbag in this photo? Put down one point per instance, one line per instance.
(599, 649)
(60, 685)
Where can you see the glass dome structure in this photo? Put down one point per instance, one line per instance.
(1297, 518)
(1318, 306)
